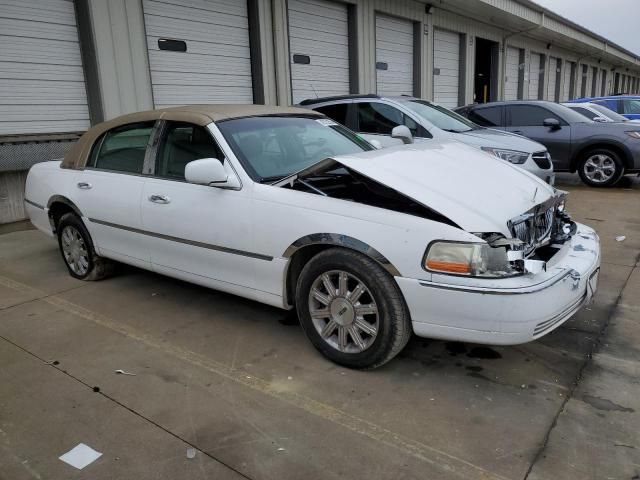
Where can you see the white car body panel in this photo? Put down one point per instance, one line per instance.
(240, 240)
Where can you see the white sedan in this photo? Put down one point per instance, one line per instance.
(289, 208)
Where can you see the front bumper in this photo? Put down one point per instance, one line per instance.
(509, 311)
(547, 175)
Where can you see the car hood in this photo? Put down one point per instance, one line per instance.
(487, 137)
(477, 191)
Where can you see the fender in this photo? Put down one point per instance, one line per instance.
(67, 202)
(341, 241)
(627, 156)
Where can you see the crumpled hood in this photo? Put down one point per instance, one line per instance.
(475, 190)
(487, 137)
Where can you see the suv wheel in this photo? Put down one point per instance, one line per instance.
(601, 168)
(351, 309)
(77, 250)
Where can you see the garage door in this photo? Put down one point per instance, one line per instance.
(512, 74)
(446, 68)
(319, 47)
(553, 79)
(42, 87)
(566, 86)
(394, 56)
(216, 65)
(534, 76)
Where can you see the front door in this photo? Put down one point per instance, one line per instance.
(108, 193)
(201, 233)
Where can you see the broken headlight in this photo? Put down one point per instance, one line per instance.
(469, 259)
(512, 156)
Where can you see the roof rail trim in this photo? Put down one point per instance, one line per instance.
(311, 101)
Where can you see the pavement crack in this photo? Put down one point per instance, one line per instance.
(574, 385)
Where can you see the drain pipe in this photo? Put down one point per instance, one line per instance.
(504, 51)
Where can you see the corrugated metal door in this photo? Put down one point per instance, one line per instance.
(512, 74)
(42, 87)
(534, 76)
(446, 68)
(394, 56)
(216, 66)
(553, 79)
(319, 48)
(566, 86)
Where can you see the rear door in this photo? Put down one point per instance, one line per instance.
(109, 191)
(527, 120)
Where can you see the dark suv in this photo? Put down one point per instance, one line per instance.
(600, 152)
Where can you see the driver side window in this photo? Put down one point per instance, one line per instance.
(380, 118)
(182, 143)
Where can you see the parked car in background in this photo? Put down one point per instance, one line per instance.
(626, 105)
(289, 208)
(597, 112)
(600, 152)
(375, 118)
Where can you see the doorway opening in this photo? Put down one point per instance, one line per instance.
(485, 86)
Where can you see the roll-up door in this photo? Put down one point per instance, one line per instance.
(512, 74)
(394, 56)
(319, 48)
(534, 76)
(446, 68)
(42, 87)
(198, 51)
(553, 79)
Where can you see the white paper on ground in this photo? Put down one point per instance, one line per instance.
(80, 456)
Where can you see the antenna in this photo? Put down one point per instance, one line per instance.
(314, 90)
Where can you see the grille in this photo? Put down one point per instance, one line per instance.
(533, 229)
(542, 160)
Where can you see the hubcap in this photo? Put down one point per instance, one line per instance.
(75, 250)
(343, 311)
(599, 168)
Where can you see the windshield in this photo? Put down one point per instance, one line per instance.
(273, 147)
(607, 112)
(441, 117)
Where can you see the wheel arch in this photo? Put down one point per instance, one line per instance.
(621, 150)
(57, 206)
(305, 248)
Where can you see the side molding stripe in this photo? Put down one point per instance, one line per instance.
(37, 205)
(209, 246)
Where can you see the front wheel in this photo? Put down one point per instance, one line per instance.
(351, 309)
(77, 250)
(601, 168)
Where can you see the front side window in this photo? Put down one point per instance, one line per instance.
(586, 112)
(122, 149)
(336, 111)
(487, 117)
(531, 115)
(378, 118)
(273, 147)
(631, 106)
(182, 143)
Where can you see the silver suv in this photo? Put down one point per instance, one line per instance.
(375, 117)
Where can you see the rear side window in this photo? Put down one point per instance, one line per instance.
(487, 117)
(337, 112)
(122, 149)
(182, 143)
(530, 115)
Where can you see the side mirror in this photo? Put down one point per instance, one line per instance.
(403, 133)
(206, 171)
(599, 119)
(552, 123)
(376, 144)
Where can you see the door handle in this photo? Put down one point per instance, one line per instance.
(161, 199)
(84, 185)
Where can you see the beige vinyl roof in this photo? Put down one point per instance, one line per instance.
(202, 115)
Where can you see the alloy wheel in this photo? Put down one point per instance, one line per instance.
(599, 168)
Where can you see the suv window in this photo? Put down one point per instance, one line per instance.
(182, 143)
(123, 148)
(337, 112)
(530, 115)
(586, 112)
(487, 117)
(631, 106)
(381, 118)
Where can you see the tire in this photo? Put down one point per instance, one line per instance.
(361, 288)
(601, 168)
(78, 254)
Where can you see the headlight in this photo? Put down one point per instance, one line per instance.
(512, 156)
(468, 259)
(634, 134)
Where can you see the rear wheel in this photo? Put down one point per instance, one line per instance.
(77, 250)
(351, 309)
(601, 168)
